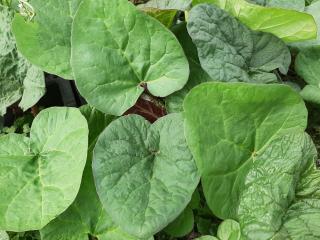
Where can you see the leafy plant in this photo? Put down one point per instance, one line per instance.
(177, 92)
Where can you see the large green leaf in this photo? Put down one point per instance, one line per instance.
(147, 53)
(45, 40)
(145, 174)
(18, 78)
(224, 134)
(40, 176)
(258, 165)
(197, 74)
(86, 216)
(289, 25)
(230, 52)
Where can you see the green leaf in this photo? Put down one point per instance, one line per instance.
(97, 122)
(4, 235)
(147, 53)
(18, 78)
(182, 225)
(314, 10)
(262, 159)
(41, 175)
(307, 65)
(289, 25)
(298, 5)
(224, 134)
(268, 206)
(168, 4)
(45, 40)
(231, 52)
(311, 93)
(197, 74)
(145, 174)
(166, 17)
(195, 200)
(206, 226)
(229, 230)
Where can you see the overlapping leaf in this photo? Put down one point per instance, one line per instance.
(145, 175)
(229, 51)
(307, 66)
(108, 43)
(86, 216)
(197, 74)
(45, 39)
(289, 25)
(40, 176)
(18, 78)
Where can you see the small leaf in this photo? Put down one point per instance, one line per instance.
(41, 175)
(229, 230)
(144, 174)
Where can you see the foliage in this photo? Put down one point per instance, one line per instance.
(178, 91)
(18, 78)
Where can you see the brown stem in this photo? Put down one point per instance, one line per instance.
(35, 110)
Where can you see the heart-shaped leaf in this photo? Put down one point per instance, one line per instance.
(224, 134)
(45, 39)
(145, 174)
(40, 176)
(108, 43)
